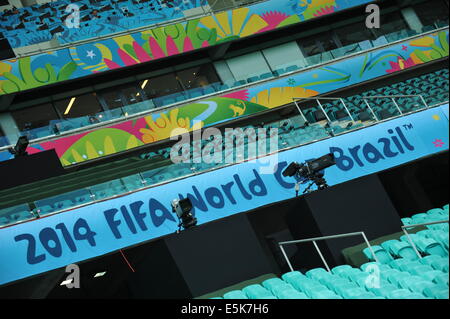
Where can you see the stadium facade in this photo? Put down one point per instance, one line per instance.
(127, 105)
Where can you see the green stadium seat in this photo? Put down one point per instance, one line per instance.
(368, 295)
(441, 237)
(429, 246)
(349, 273)
(334, 281)
(288, 292)
(437, 292)
(430, 275)
(341, 269)
(309, 287)
(341, 288)
(428, 260)
(374, 266)
(398, 263)
(324, 294)
(401, 294)
(353, 293)
(419, 270)
(316, 273)
(235, 294)
(409, 264)
(403, 250)
(381, 254)
(441, 265)
(394, 278)
(293, 274)
(271, 283)
(406, 221)
(384, 290)
(418, 286)
(257, 292)
(441, 279)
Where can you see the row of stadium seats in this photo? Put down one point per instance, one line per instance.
(431, 86)
(40, 23)
(411, 280)
(400, 277)
(432, 241)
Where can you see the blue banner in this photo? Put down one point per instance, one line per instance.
(56, 241)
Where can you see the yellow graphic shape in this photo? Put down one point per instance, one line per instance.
(280, 96)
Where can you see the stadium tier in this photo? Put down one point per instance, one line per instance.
(402, 274)
(239, 149)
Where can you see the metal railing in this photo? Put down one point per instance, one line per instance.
(281, 244)
(393, 98)
(404, 228)
(364, 98)
(318, 99)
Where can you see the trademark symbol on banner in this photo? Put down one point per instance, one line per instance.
(408, 127)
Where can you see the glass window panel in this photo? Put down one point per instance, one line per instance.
(161, 86)
(430, 13)
(391, 23)
(34, 117)
(112, 98)
(132, 95)
(318, 43)
(79, 106)
(248, 66)
(3, 140)
(285, 55)
(354, 33)
(200, 76)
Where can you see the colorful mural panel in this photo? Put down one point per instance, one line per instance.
(159, 126)
(118, 52)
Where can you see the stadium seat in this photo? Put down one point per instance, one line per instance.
(428, 260)
(253, 79)
(341, 269)
(441, 279)
(437, 292)
(370, 266)
(381, 254)
(265, 76)
(403, 294)
(418, 270)
(279, 72)
(292, 68)
(383, 290)
(258, 292)
(403, 250)
(341, 288)
(394, 278)
(272, 283)
(287, 292)
(235, 294)
(324, 294)
(398, 263)
(353, 293)
(406, 221)
(316, 273)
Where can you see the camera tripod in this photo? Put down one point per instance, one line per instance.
(318, 180)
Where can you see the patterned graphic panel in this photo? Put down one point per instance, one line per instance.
(157, 127)
(83, 60)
